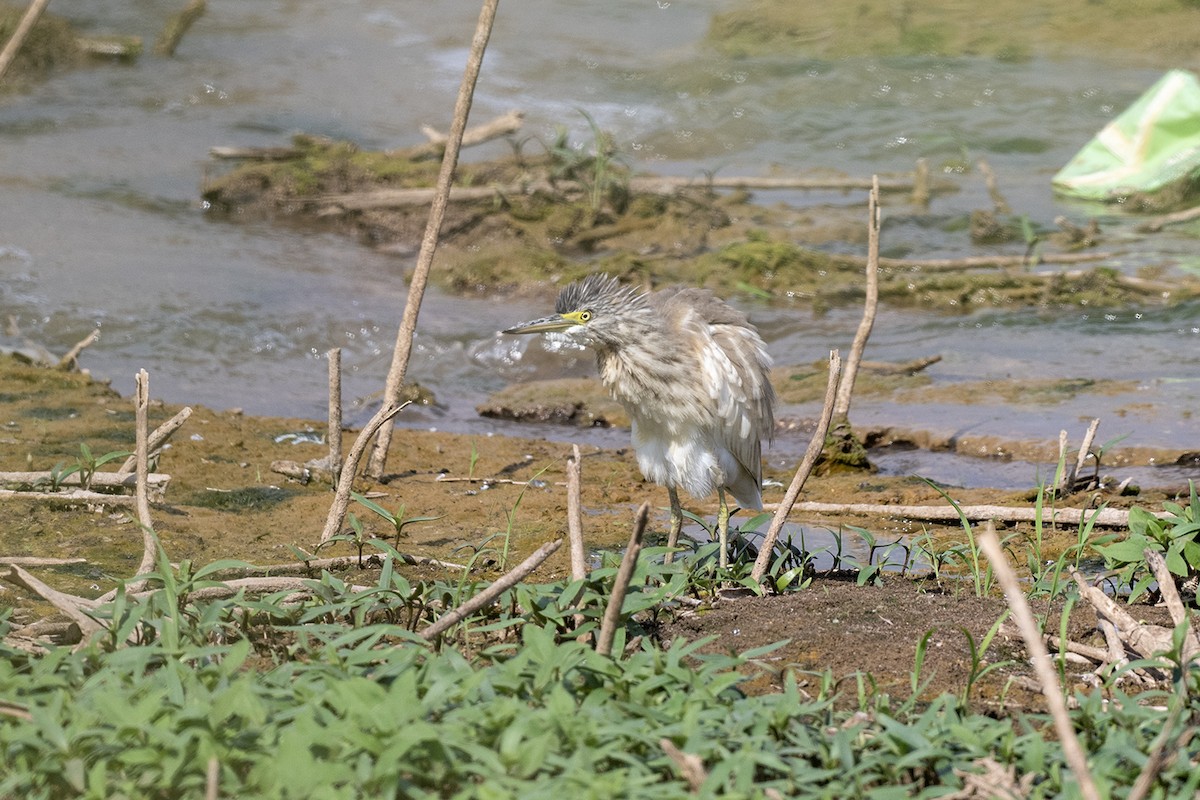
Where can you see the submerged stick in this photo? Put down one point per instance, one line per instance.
(433, 228)
(177, 26)
(70, 361)
(1042, 665)
(841, 407)
(502, 584)
(763, 561)
(612, 613)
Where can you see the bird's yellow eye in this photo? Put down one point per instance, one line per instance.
(585, 316)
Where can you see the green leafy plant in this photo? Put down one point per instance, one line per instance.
(397, 519)
(1176, 536)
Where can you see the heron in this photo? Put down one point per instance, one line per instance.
(692, 373)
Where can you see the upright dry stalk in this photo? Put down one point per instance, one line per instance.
(141, 400)
(416, 288)
(612, 613)
(334, 435)
(841, 410)
(158, 438)
(575, 519)
(18, 38)
(802, 472)
(1043, 667)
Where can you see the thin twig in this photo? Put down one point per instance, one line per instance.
(141, 399)
(34, 561)
(489, 594)
(336, 563)
(1042, 665)
(1102, 518)
(815, 446)
(341, 499)
(21, 33)
(335, 410)
(841, 408)
(612, 613)
(437, 212)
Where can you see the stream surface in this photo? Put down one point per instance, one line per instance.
(102, 225)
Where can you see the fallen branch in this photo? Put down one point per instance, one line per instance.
(899, 368)
(612, 612)
(71, 605)
(1042, 666)
(493, 129)
(502, 584)
(1175, 607)
(989, 262)
(158, 438)
(1145, 640)
(659, 185)
(35, 561)
(815, 446)
(372, 560)
(73, 496)
(1105, 518)
(156, 481)
(1158, 223)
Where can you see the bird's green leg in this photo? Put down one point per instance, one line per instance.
(676, 522)
(723, 528)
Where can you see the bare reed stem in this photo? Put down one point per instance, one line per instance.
(841, 409)
(575, 518)
(802, 472)
(341, 499)
(1040, 658)
(141, 400)
(437, 212)
(334, 435)
(18, 38)
(612, 613)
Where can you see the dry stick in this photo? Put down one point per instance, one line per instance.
(1102, 518)
(492, 592)
(35, 561)
(841, 408)
(1170, 596)
(437, 212)
(690, 766)
(212, 779)
(1157, 224)
(500, 126)
(338, 562)
(802, 472)
(997, 261)
(1158, 752)
(1042, 665)
(69, 361)
(1145, 640)
(335, 410)
(100, 480)
(177, 26)
(612, 613)
(989, 178)
(141, 399)
(18, 38)
(341, 499)
(69, 604)
(1085, 449)
(158, 438)
(74, 496)
(579, 569)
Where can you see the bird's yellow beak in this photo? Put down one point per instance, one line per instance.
(557, 322)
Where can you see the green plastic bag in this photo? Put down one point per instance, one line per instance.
(1152, 144)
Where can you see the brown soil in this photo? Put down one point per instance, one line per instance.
(225, 502)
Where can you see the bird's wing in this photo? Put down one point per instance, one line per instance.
(735, 365)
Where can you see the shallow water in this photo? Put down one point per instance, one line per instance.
(102, 226)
